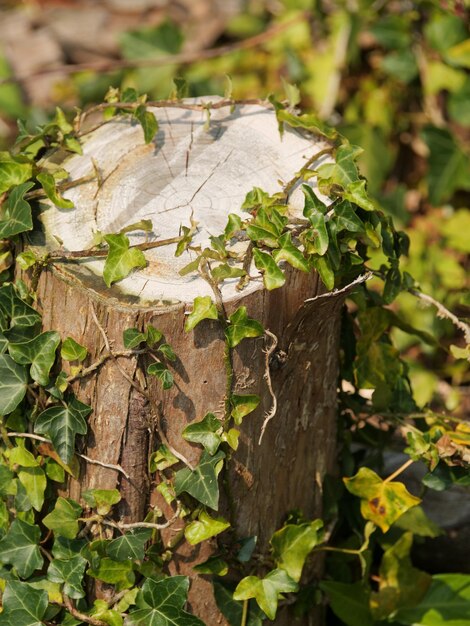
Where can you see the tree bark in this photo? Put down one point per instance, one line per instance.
(132, 414)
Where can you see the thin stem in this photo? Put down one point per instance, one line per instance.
(244, 613)
(398, 471)
(65, 255)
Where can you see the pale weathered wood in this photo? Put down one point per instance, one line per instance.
(207, 173)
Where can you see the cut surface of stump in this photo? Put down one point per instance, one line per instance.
(194, 172)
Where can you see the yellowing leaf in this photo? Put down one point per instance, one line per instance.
(382, 502)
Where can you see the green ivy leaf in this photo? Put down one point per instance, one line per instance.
(266, 227)
(323, 267)
(73, 351)
(307, 121)
(162, 373)
(40, 352)
(344, 170)
(161, 459)
(203, 309)
(316, 239)
(213, 565)
(13, 383)
(62, 424)
(206, 432)
(19, 313)
(132, 338)
(167, 351)
(446, 602)
(13, 171)
(233, 610)
(400, 584)
(68, 572)
(242, 406)
(381, 502)
(20, 548)
(48, 184)
(241, 326)
(164, 601)
(23, 605)
(231, 437)
(129, 546)
(117, 573)
(104, 614)
(34, 481)
(350, 602)
(312, 203)
(201, 483)
(290, 253)
(224, 271)
(15, 214)
(356, 192)
(204, 528)
(148, 121)
(448, 164)
(101, 499)
(234, 224)
(121, 259)
(346, 218)
(63, 519)
(266, 591)
(293, 543)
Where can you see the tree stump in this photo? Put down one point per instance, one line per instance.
(201, 171)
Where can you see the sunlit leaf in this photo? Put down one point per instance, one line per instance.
(131, 545)
(241, 326)
(203, 308)
(381, 502)
(242, 406)
(13, 383)
(293, 543)
(39, 352)
(204, 528)
(72, 351)
(70, 573)
(206, 432)
(266, 591)
(148, 121)
(63, 519)
(101, 499)
(121, 259)
(49, 185)
(13, 171)
(23, 605)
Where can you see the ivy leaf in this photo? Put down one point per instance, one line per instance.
(129, 546)
(312, 203)
(356, 192)
(242, 406)
(161, 459)
(346, 218)
(323, 267)
(293, 543)
(34, 481)
(448, 164)
(121, 259)
(165, 600)
(224, 271)
(316, 239)
(13, 171)
(132, 337)
(204, 528)
(62, 424)
(213, 565)
(266, 227)
(40, 352)
(266, 591)
(446, 602)
(201, 483)
(13, 383)
(19, 313)
(20, 548)
(381, 502)
(290, 253)
(273, 276)
(350, 602)
(233, 610)
(308, 121)
(117, 573)
(148, 121)
(23, 605)
(205, 432)
(167, 351)
(203, 309)
(73, 351)
(63, 520)
(241, 326)
(400, 584)
(101, 499)
(48, 184)
(344, 170)
(16, 213)
(70, 573)
(234, 224)
(162, 373)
